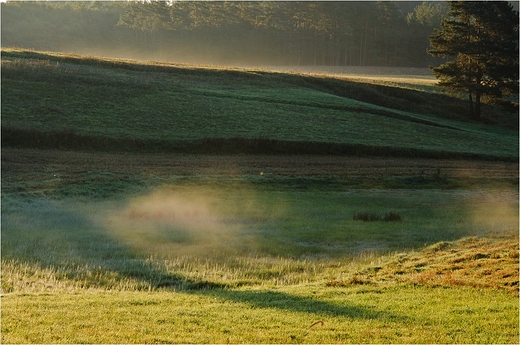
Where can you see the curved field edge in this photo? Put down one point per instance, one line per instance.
(72, 102)
(70, 140)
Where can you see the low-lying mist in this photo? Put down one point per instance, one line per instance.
(231, 234)
(191, 220)
(497, 212)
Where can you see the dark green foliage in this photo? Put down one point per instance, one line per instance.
(366, 217)
(481, 41)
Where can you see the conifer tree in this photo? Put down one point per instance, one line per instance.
(481, 41)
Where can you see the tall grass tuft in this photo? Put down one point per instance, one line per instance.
(392, 217)
(373, 217)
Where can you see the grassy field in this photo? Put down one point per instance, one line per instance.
(420, 79)
(103, 248)
(104, 245)
(51, 99)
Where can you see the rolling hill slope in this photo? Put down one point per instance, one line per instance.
(66, 101)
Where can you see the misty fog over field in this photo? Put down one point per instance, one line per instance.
(259, 172)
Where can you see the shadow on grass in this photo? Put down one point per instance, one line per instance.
(267, 299)
(53, 238)
(13, 137)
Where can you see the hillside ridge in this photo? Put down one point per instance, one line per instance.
(58, 100)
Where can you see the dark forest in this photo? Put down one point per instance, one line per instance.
(351, 33)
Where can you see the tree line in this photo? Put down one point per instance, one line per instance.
(350, 33)
(471, 47)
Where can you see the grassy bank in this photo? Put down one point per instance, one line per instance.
(181, 237)
(70, 140)
(65, 101)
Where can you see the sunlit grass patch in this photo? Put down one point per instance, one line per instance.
(475, 262)
(360, 314)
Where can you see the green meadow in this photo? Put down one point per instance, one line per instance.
(66, 96)
(147, 242)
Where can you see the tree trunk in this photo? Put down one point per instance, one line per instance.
(361, 47)
(315, 53)
(477, 106)
(471, 111)
(478, 93)
(365, 45)
(346, 52)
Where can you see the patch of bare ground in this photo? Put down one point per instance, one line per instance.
(477, 262)
(23, 164)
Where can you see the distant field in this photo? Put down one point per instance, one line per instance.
(406, 77)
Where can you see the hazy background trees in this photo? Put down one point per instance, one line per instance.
(350, 33)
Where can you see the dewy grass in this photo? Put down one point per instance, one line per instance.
(188, 237)
(155, 249)
(222, 263)
(475, 262)
(114, 100)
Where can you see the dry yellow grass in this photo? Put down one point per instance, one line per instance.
(476, 262)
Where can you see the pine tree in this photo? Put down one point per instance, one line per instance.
(481, 38)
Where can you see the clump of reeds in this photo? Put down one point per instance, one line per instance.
(372, 217)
